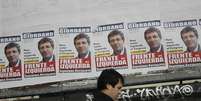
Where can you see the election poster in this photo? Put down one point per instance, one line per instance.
(10, 58)
(110, 47)
(39, 55)
(146, 44)
(75, 49)
(183, 43)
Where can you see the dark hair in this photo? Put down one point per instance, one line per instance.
(44, 40)
(109, 76)
(189, 29)
(151, 30)
(12, 45)
(114, 33)
(82, 35)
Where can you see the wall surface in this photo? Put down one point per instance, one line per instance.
(18, 16)
(29, 15)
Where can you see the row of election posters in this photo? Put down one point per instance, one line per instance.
(135, 46)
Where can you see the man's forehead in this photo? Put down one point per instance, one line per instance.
(12, 48)
(119, 84)
(151, 33)
(189, 33)
(115, 36)
(82, 39)
(46, 43)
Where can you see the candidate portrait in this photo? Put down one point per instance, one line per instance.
(153, 37)
(189, 35)
(82, 45)
(12, 52)
(46, 49)
(116, 40)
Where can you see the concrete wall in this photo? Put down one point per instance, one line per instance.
(34, 15)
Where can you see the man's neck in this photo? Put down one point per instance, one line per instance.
(14, 63)
(47, 59)
(119, 52)
(194, 49)
(157, 49)
(84, 55)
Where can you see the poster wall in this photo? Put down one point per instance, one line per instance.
(69, 53)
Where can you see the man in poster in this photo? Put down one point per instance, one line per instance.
(116, 40)
(46, 47)
(153, 38)
(189, 36)
(82, 43)
(12, 52)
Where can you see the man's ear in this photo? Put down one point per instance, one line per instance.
(109, 86)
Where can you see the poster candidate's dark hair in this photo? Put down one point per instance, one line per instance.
(44, 40)
(12, 45)
(109, 76)
(151, 30)
(114, 33)
(80, 36)
(189, 29)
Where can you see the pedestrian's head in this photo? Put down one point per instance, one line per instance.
(110, 81)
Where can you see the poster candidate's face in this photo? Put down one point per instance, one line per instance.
(46, 50)
(116, 42)
(153, 40)
(82, 46)
(12, 55)
(190, 40)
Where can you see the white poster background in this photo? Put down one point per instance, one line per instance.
(22, 15)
